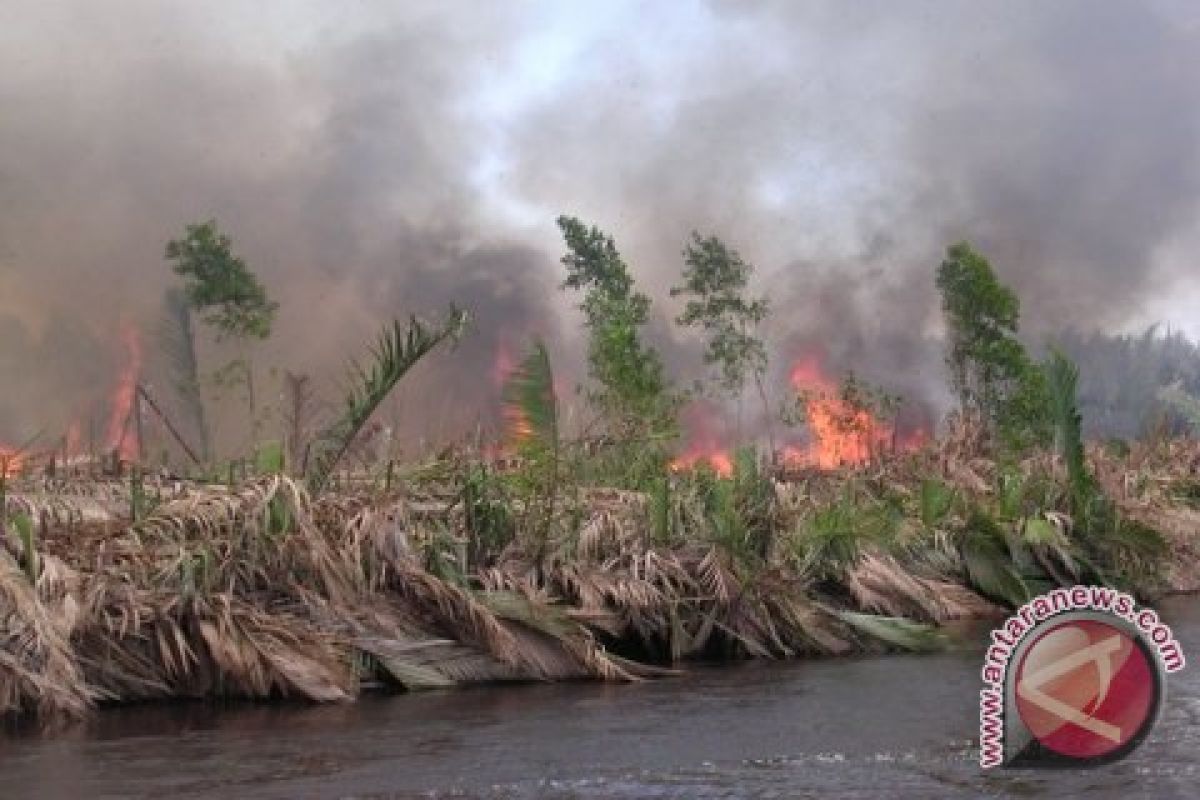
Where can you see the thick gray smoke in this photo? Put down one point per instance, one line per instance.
(399, 162)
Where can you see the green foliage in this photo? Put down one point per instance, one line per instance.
(1187, 492)
(989, 563)
(660, 510)
(532, 410)
(443, 557)
(489, 522)
(1022, 420)
(137, 494)
(736, 513)
(268, 458)
(22, 525)
(714, 281)
(1127, 551)
(1061, 379)
(989, 368)
(1130, 554)
(631, 389)
(754, 501)
(898, 632)
(531, 404)
(219, 284)
(833, 537)
(396, 352)
(935, 502)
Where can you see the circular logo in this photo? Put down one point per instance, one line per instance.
(1087, 689)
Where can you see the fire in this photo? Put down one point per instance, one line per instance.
(843, 434)
(121, 432)
(11, 462)
(516, 427)
(718, 460)
(73, 439)
(503, 364)
(704, 445)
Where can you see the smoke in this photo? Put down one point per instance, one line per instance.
(386, 162)
(842, 147)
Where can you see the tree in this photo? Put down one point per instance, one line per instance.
(631, 389)
(220, 286)
(715, 280)
(989, 368)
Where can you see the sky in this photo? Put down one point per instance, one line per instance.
(373, 159)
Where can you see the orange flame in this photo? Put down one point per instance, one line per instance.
(504, 364)
(843, 434)
(704, 447)
(11, 462)
(516, 427)
(122, 434)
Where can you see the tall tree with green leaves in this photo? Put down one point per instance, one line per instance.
(715, 280)
(232, 300)
(631, 389)
(219, 285)
(989, 367)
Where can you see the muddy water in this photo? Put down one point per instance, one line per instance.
(882, 727)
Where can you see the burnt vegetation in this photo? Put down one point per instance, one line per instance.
(317, 563)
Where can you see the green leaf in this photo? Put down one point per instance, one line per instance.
(268, 459)
(989, 564)
(23, 526)
(936, 501)
(396, 352)
(530, 402)
(896, 631)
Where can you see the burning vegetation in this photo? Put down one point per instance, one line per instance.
(660, 530)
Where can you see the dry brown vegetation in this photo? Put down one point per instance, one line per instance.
(262, 591)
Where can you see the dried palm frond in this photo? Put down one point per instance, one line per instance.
(881, 584)
(38, 671)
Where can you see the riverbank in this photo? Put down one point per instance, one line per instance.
(460, 575)
(895, 726)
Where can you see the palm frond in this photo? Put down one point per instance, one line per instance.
(989, 564)
(396, 352)
(895, 631)
(530, 404)
(1062, 377)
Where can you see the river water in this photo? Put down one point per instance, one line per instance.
(896, 726)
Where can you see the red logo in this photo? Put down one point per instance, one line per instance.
(1086, 689)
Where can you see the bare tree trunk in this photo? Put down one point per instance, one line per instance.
(138, 428)
(296, 418)
(762, 394)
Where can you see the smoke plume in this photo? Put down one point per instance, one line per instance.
(393, 161)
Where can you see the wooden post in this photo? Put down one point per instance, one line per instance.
(138, 428)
